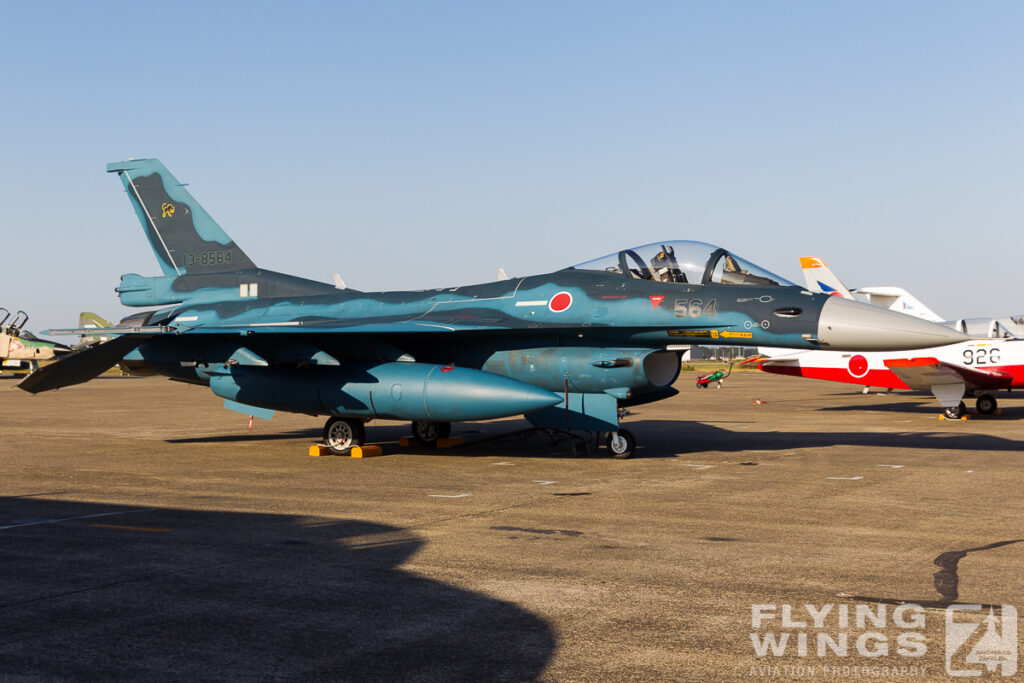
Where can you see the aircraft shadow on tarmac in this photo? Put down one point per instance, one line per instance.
(671, 438)
(313, 435)
(657, 439)
(946, 579)
(924, 407)
(101, 592)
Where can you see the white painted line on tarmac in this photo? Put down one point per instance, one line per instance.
(457, 495)
(895, 467)
(696, 466)
(501, 463)
(543, 482)
(969, 472)
(845, 478)
(36, 522)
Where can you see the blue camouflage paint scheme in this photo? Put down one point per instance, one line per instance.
(281, 342)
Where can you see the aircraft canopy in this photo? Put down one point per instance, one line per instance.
(685, 262)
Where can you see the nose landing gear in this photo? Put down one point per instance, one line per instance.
(621, 444)
(955, 412)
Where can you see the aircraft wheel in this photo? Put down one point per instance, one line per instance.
(621, 444)
(955, 412)
(986, 404)
(341, 434)
(427, 433)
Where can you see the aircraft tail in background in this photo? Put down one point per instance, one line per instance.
(90, 321)
(900, 300)
(820, 278)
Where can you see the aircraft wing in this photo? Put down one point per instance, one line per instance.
(352, 327)
(776, 356)
(463, 320)
(926, 373)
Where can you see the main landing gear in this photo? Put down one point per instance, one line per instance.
(986, 404)
(342, 434)
(427, 433)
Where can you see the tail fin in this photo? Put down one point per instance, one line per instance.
(820, 279)
(900, 300)
(91, 321)
(185, 239)
(87, 319)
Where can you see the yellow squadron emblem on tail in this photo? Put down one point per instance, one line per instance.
(168, 210)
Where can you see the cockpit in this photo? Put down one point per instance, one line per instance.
(1011, 327)
(685, 262)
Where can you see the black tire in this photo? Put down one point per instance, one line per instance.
(427, 433)
(956, 412)
(621, 444)
(342, 434)
(986, 404)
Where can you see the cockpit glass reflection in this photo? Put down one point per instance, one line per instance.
(685, 262)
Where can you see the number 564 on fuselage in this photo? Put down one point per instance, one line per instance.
(566, 349)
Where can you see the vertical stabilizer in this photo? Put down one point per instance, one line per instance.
(88, 319)
(900, 300)
(185, 239)
(820, 279)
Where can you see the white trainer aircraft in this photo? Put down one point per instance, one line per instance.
(979, 368)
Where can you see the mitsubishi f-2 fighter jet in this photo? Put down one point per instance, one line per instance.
(567, 349)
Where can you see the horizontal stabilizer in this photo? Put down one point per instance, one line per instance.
(82, 366)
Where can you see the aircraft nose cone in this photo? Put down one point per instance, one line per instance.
(847, 325)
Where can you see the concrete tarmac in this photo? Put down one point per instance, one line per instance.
(146, 533)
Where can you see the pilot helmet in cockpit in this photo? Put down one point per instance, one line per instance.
(665, 267)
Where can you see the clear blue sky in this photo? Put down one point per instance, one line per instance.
(421, 144)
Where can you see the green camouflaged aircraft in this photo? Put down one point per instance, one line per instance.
(20, 350)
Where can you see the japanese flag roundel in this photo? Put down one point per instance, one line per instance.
(560, 302)
(858, 366)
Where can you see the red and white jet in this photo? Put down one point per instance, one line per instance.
(977, 368)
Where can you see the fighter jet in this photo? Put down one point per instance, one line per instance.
(20, 350)
(567, 349)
